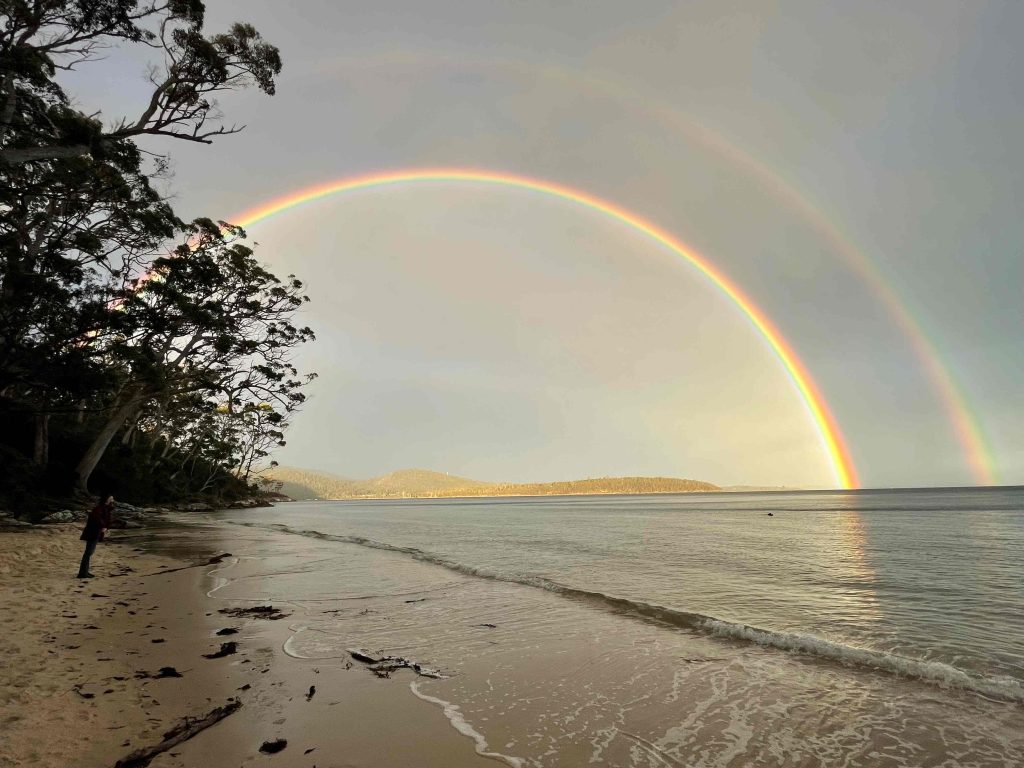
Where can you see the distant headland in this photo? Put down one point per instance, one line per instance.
(305, 484)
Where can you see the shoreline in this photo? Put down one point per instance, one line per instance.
(106, 666)
(719, 492)
(345, 654)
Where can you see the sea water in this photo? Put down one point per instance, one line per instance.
(858, 628)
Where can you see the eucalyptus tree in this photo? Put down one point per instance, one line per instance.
(207, 320)
(39, 38)
(79, 215)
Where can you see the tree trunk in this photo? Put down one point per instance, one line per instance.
(129, 435)
(41, 450)
(95, 451)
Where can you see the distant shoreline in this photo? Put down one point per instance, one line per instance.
(720, 491)
(421, 483)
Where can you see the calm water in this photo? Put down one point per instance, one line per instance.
(881, 629)
(910, 576)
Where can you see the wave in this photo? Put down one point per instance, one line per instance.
(460, 724)
(934, 672)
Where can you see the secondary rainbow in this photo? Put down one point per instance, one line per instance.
(828, 430)
(965, 422)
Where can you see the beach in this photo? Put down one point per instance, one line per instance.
(81, 681)
(489, 649)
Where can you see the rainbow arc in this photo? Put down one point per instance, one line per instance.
(828, 429)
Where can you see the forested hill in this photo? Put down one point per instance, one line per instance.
(421, 483)
(601, 485)
(405, 483)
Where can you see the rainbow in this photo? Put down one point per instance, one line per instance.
(966, 424)
(828, 430)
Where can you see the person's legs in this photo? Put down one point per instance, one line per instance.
(83, 569)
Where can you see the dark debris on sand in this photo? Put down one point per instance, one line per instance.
(184, 731)
(256, 612)
(273, 747)
(226, 649)
(382, 665)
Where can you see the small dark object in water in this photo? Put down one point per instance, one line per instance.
(417, 600)
(157, 640)
(273, 747)
(309, 750)
(312, 693)
(227, 631)
(167, 672)
(226, 649)
(771, 514)
(245, 687)
(489, 626)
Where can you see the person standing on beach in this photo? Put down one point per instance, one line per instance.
(100, 519)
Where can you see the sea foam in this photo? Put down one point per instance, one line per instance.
(933, 672)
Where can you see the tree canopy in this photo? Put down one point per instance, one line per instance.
(131, 342)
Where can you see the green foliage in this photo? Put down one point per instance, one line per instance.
(166, 370)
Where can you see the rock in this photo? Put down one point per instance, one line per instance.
(248, 503)
(63, 516)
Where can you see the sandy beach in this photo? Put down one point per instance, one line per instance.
(259, 612)
(81, 683)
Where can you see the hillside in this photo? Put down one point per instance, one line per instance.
(421, 483)
(307, 484)
(601, 485)
(415, 482)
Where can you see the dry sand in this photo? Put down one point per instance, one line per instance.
(79, 685)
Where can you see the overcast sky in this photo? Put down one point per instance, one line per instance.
(501, 335)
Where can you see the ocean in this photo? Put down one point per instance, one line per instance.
(791, 628)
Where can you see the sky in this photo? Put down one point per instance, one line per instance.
(853, 167)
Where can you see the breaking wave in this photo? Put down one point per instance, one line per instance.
(934, 672)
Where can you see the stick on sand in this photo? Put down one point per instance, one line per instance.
(183, 731)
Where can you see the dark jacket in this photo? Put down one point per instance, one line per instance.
(100, 518)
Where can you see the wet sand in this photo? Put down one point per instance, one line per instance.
(529, 678)
(79, 685)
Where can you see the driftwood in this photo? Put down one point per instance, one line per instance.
(212, 561)
(382, 665)
(183, 731)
